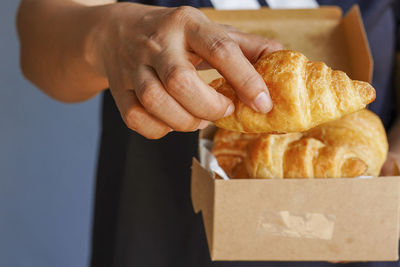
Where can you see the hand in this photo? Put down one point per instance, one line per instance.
(391, 165)
(150, 54)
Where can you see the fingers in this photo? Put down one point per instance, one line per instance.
(137, 118)
(155, 99)
(391, 165)
(147, 108)
(198, 62)
(387, 168)
(225, 54)
(182, 82)
(160, 89)
(253, 46)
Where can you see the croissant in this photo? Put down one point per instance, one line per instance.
(352, 146)
(361, 132)
(230, 149)
(305, 94)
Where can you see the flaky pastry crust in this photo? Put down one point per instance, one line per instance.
(352, 146)
(304, 93)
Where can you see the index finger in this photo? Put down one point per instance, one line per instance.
(223, 53)
(254, 46)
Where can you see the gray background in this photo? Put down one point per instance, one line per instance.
(48, 156)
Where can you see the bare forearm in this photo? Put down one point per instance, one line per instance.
(146, 55)
(56, 47)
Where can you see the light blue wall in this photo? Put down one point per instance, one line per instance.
(47, 167)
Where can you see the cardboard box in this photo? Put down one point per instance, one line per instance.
(300, 219)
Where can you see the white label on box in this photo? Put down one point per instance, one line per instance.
(291, 224)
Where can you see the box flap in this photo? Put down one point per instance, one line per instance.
(202, 192)
(320, 34)
(300, 219)
(265, 13)
(360, 56)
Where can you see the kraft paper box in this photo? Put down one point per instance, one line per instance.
(300, 219)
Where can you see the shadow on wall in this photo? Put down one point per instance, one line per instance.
(48, 154)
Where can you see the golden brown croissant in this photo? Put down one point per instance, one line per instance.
(351, 146)
(305, 94)
(361, 132)
(230, 149)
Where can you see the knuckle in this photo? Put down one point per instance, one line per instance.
(136, 120)
(184, 13)
(133, 119)
(215, 111)
(149, 95)
(147, 18)
(151, 44)
(247, 84)
(222, 47)
(176, 78)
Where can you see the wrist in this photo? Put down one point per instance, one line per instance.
(107, 32)
(96, 37)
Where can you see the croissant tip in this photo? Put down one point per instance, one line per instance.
(372, 99)
(372, 94)
(366, 90)
(354, 167)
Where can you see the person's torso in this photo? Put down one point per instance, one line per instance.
(143, 207)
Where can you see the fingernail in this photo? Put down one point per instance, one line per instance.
(262, 103)
(229, 110)
(203, 124)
